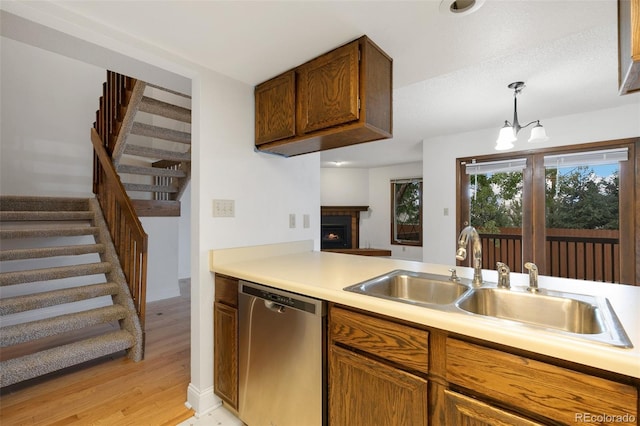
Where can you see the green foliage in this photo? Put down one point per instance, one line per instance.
(579, 199)
(408, 197)
(575, 199)
(497, 202)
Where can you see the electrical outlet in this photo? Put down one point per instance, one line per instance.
(292, 220)
(224, 208)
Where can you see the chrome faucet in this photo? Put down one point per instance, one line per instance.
(503, 275)
(533, 277)
(476, 247)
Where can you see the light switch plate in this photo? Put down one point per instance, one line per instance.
(224, 208)
(292, 220)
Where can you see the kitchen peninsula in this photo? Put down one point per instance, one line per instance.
(509, 373)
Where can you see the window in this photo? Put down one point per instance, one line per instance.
(568, 209)
(406, 211)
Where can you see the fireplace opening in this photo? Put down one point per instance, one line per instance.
(335, 232)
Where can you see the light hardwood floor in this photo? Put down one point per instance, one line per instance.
(115, 391)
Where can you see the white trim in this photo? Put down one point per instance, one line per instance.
(201, 401)
(503, 166)
(589, 158)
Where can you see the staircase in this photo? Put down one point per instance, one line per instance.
(152, 152)
(64, 299)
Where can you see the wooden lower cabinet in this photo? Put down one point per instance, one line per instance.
(539, 388)
(225, 340)
(363, 391)
(225, 360)
(384, 371)
(377, 371)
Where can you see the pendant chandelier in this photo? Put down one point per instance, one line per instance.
(508, 133)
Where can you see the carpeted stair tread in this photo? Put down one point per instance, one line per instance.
(142, 129)
(16, 215)
(26, 332)
(164, 109)
(29, 302)
(42, 252)
(149, 188)
(61, 231)
(54, 273)
(150, 171)
(155, 153)
(40, 363)
(31, 203)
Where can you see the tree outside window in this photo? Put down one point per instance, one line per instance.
(406, 211)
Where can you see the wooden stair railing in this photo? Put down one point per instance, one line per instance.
(129, 238)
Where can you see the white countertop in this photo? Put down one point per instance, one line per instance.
(297, 268)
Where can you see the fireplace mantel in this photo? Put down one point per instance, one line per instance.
(354, 213)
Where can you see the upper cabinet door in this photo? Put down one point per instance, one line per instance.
(328, 91)
(275, 108)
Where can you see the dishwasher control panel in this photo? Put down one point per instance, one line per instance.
(299, 302)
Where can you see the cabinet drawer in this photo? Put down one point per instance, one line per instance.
(537, 387)
(226, 290)
(398, 343)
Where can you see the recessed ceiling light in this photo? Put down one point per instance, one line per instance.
(460, 7)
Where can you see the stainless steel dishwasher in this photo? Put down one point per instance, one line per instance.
(282, 366)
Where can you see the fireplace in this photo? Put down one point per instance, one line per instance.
(335, 232)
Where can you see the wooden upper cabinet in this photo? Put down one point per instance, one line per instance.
(328, 91)
(629, 45)
(275, 108)
(341, 98)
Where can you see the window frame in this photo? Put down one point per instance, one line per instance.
(533, 242)
(393, 239)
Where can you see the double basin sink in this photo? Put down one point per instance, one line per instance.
(580, 316)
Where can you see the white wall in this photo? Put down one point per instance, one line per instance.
(375, 227)
(344, 187)
(440, 153)
(184, 235)
(48, 107)
(162, 259)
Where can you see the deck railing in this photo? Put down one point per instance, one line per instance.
(129, 238)
(570, 253)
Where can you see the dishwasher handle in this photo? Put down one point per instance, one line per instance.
(275, 307)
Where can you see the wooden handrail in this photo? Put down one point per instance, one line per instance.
(129, 238)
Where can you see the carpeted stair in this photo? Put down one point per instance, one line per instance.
(63, 297)
(152, 153)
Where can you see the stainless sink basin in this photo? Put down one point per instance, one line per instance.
(413, 287)
(588, 316)
(580, 316)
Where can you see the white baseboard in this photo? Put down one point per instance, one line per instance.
(203, 401)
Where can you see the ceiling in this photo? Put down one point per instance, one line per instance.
(450, 71)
